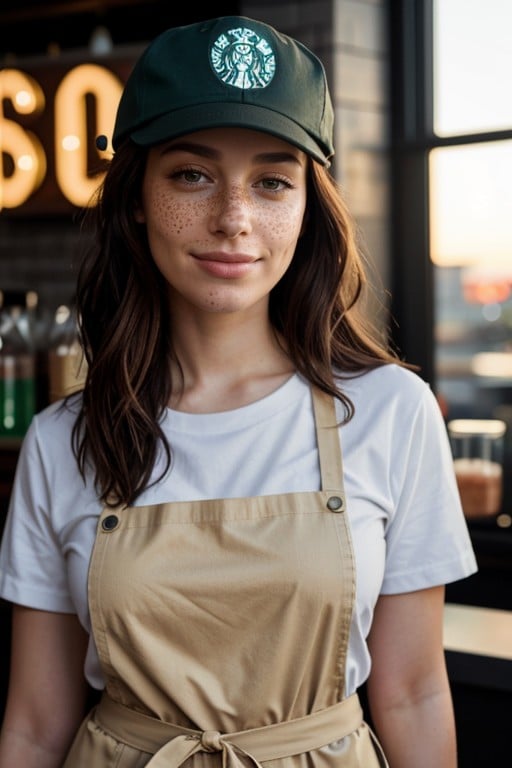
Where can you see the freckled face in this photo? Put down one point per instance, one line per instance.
(223, 209)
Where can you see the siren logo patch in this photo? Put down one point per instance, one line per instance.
(243, 59)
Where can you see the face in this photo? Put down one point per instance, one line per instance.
(223, 210)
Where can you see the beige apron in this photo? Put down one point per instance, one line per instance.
(222, 629)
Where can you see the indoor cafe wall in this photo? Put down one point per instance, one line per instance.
(52, 111)
(39, 243)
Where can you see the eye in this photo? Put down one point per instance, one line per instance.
(190, 175)
(275, 183)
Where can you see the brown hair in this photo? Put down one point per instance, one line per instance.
(124, 324)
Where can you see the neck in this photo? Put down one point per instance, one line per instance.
(226, 360)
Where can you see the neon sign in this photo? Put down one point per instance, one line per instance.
(50, 115)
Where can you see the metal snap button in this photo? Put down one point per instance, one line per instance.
(110, 522)
(335, 503)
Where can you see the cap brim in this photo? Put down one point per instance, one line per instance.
(197, 118)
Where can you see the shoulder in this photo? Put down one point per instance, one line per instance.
(58, 417)
(48, 480)
(389, 388)
(396, 415)
(389, 376)
(49, 436)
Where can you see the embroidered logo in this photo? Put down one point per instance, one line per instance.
(243, 59)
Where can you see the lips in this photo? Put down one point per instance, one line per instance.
(226, 258)
(227, 266)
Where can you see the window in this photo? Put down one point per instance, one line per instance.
(470, 205)
(452, 203)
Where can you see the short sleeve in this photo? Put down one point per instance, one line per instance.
(427, 539)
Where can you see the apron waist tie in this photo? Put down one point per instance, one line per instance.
(172, 744)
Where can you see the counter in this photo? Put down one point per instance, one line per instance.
(478, 645)
(478, 649)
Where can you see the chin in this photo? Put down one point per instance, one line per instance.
(229, 303)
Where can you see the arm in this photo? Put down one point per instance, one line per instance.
(47, 689)
(408, 689)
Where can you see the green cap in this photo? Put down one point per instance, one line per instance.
(229, 71)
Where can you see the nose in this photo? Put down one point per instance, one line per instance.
(232, 213)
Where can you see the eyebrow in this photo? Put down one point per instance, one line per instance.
(213, 154)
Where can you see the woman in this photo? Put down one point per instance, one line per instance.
(180, 530)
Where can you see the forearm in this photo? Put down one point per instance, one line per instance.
(408, 688)
(47, 689)
(20, 749)
(418, 734)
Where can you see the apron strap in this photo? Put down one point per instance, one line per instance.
(327, 436)
(172, 744)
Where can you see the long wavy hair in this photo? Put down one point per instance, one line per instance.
(317, 310)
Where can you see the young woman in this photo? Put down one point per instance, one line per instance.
(183, 534)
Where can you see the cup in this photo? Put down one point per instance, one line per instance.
(477, 448)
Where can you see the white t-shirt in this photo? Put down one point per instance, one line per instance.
(406, 520)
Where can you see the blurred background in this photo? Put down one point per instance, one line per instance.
(424, 153)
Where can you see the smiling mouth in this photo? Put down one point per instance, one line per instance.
(226, 266)
(226, 258)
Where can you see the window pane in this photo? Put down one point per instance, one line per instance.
(471, 247)
(471, 204)
(472, 66)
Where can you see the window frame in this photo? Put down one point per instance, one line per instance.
(412, 139)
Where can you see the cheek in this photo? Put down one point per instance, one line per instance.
(283, 224)
(172, 217)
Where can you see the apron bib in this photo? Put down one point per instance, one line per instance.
(222, 629)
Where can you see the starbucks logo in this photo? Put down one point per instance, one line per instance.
(243, 59)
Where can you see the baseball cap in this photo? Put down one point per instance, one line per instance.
(227, 71)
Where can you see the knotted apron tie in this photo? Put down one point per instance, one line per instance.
(172, 744)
